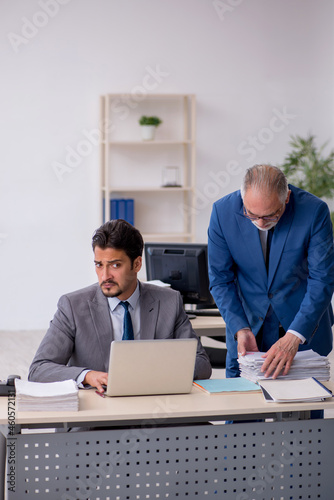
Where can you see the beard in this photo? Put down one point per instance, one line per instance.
(115, 291)
(266, 228)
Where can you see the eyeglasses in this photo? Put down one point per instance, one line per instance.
(270, 218)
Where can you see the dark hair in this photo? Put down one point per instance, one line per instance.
(121, 235)
(268, 178)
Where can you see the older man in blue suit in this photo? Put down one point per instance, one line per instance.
(271, 267)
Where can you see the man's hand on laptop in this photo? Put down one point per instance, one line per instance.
(96, 379)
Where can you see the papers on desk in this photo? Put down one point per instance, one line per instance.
(220, 385)
(51, 396)
(288, 391)
(305, 364)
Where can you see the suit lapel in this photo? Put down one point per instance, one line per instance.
(279, 238)
(149, 309)
(251, 239)
(252, 244)
(99, 310)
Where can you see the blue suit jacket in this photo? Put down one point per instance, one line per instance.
(300, 280)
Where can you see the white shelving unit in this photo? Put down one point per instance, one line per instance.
(133, 168)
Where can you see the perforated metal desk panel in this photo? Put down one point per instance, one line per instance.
(165, 451)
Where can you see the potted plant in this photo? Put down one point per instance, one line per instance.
(148, 126)
(309, 169)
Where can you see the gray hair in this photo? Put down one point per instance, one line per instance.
(266, 178)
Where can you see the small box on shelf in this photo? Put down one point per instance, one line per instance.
(171, 177)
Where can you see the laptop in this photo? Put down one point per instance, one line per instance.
(147, 367)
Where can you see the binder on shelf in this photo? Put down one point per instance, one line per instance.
(121, 208)
(114, 209)
(104, 209)
(129, 210)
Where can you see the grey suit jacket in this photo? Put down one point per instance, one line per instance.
(81, 331)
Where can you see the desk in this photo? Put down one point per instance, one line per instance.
(158, 447)
(210, 326)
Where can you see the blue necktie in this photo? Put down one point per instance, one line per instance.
(269, 238)
(127, 323)
(270, 327)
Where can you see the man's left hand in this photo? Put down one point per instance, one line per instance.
(280, 355)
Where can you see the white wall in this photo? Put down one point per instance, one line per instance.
(248, 62)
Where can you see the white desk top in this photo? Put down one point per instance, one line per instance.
(197, 404)
(209, 325)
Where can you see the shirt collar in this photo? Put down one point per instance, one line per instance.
(133, 299)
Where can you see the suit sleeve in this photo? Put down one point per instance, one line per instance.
(56, 349)
(319, 270)
(223, 278)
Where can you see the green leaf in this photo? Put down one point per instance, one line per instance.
(307, 167)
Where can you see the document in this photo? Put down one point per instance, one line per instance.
(220, 385)
(289, 391)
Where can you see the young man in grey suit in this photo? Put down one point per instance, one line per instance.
(77, 343)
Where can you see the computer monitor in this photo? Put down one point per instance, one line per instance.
(184, 266)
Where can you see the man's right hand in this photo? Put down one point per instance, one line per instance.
(96, 379)
(246, 341)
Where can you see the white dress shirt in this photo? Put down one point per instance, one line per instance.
(117, 312)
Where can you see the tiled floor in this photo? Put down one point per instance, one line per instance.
(17, 350)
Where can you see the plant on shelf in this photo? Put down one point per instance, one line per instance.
(148, 126)
(150, 120)
(308, 168)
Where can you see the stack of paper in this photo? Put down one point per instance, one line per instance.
(305, 364)
(53, 396)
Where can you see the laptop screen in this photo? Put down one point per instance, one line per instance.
(146, 367)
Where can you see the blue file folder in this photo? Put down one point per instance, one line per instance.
(121, 208)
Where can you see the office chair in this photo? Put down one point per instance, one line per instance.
(217, 356)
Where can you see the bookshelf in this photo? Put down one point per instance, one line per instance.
(133, 168)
